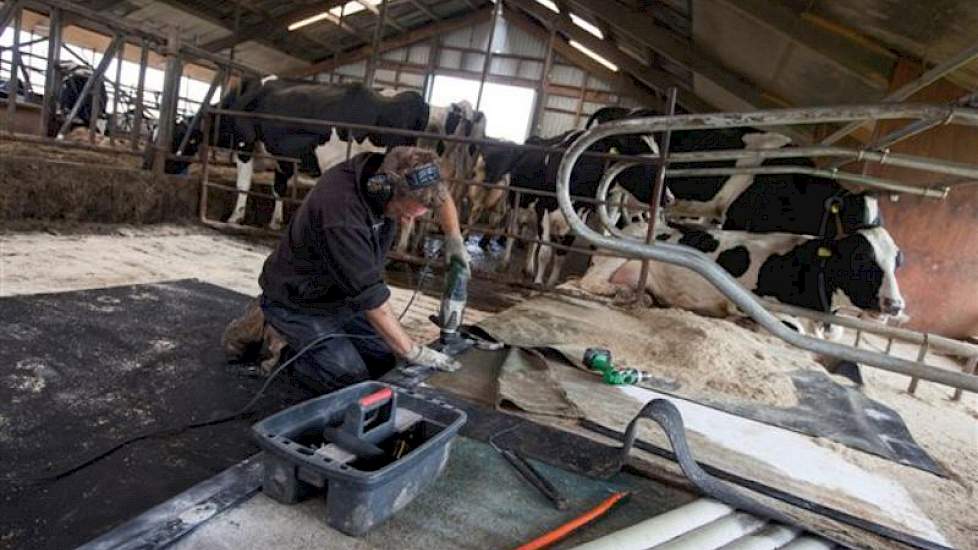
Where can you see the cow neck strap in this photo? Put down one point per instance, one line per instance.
(824, 254)
(832, 209)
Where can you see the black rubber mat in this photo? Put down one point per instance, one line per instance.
(82, 371)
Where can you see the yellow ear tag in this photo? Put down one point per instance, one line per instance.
(835, 208)
(824, 252)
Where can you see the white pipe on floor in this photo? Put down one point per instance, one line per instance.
(771, 537)
(808, 542)
(663, 527)
(717, 533)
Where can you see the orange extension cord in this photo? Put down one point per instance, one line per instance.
(559, 533)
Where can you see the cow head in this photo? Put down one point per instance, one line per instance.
(460, 120)
(863, 267)
(859, 211)
(180, 129)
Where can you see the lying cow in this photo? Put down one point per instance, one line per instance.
(858, 270)
(785, 203)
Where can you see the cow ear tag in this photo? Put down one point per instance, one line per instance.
(835, 208)
(824, 252)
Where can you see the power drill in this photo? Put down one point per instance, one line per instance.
(599, 359)
(453, 306)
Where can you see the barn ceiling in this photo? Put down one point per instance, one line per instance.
(722, 54)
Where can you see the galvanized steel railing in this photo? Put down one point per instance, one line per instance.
(703, 265)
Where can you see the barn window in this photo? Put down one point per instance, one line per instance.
(508, 109)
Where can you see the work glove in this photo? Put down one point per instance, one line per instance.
(427, 357)
(455, 248)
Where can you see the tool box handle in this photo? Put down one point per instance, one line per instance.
(371, 417)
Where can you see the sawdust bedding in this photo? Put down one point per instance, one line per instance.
(706, 358)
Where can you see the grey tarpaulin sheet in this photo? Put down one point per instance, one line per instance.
(823, 407)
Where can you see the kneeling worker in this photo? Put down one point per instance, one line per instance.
(326, 275)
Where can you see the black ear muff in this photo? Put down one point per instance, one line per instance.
(380, 188)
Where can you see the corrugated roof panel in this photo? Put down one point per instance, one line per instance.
(266, 59)
(192, 28)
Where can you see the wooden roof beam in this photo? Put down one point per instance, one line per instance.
(388, 20)
(258, 30)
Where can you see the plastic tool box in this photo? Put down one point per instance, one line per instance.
(371, 447)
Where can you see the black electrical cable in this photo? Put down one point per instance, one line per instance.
(167, 432)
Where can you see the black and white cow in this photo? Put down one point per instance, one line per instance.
(74, 78)
(788, 203)
(319, 147)
(858, 270)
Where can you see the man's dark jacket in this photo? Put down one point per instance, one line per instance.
(331, 257)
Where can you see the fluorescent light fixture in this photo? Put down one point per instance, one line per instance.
(349, 8)
(586, 25)
(583, 49)
(309, 21)
(549, 4)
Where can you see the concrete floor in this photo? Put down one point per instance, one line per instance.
(479, 502)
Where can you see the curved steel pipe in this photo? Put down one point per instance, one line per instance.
(602, 196)
(700, 263)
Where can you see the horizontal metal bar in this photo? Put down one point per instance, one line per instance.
(883, 158)
(868, 181)
(946, 345)
(68, 144)
(645, 159)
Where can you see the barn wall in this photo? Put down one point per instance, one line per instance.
(939, 239)
(518, 59)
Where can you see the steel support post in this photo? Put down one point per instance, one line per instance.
(14, 64)
(541, 103)
(137, 125)
(117, 91)
(375, 54)
(7, 13)
(168, 103)
(487, 61)
(657, 190)
(52, 77)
